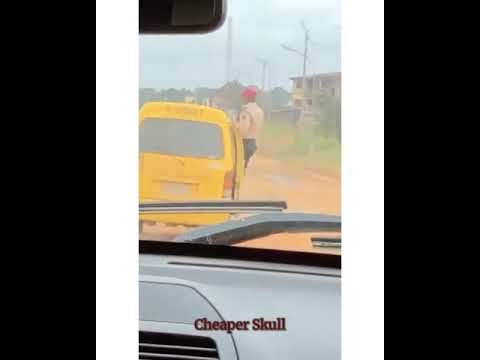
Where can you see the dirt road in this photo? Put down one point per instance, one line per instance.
(304, 190)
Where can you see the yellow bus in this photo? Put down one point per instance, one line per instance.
(188, 152)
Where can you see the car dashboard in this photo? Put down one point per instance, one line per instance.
(280, 309)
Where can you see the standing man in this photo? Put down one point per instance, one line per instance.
(250, 121)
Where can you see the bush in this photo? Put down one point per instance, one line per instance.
(307, 146)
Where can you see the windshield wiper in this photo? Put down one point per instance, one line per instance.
(221, 206)
(326, 242)
(236, 231)
(181, 161)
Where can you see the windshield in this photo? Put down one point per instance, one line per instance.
(273, 70)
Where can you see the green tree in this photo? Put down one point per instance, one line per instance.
(328, 116)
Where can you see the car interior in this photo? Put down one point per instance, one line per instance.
(202, 295)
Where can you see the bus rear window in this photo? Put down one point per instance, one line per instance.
(181, 138)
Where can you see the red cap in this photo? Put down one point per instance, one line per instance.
(250, 92)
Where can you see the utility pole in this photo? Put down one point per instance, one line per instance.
(264, 64)
(229, 48)
(304, 54)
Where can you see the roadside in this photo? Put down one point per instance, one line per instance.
(304, 190)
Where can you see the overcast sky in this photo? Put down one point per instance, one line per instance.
(259, 27)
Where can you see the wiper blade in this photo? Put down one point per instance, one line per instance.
(236, 231)
(326, 242)
(211, 207)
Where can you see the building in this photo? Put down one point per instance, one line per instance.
(317, 85)
(319, 103)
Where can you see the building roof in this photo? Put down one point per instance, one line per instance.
(320, 76)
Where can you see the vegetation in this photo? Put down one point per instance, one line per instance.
(309, 147)
(328, 116)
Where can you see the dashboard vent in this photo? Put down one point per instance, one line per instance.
(163, 346)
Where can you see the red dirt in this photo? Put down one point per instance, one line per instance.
(304, 190)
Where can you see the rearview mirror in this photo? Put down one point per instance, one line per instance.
(181, 16)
